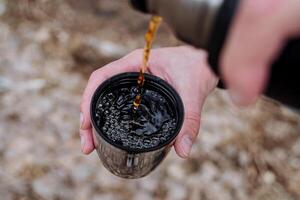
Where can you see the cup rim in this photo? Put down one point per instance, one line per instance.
(149, 80)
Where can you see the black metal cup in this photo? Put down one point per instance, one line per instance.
(122, 161)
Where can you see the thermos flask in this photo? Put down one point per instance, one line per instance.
(205, 24)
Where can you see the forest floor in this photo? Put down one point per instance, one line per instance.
(48, 48)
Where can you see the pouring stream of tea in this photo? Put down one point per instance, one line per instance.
(152, 29)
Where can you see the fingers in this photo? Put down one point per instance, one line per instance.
(86, 139)
(256, 37)
(127, 63)
(188, 134)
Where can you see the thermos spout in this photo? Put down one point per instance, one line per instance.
(191, 20)
(206, 23)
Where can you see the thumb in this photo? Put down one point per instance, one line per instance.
(188, 134)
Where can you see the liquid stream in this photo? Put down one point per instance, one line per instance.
(149, 37)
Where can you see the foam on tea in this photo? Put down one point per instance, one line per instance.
(150, 125)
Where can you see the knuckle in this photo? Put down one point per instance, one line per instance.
(135, 52)
(81, 133)
(94, 75)
(193, 122)
(100, 72)
(82, 104)
(85, 100)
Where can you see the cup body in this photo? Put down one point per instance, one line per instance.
(125, 162)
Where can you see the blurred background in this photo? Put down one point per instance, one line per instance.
(48, 48)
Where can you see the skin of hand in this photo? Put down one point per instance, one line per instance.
(258, 33)
(184, 68)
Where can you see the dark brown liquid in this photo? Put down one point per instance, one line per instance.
(152, 29)
(147, 127)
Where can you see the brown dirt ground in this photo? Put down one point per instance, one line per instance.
(48, 48)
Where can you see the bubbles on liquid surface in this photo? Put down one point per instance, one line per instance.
(152, 124)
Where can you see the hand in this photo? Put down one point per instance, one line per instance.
(183, 67)
(258, 33)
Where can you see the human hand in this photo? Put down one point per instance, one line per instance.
(258, 33)
(183, 67)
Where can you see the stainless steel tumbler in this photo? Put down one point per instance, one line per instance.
(123, 161)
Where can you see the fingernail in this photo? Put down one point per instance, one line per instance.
(186, 145)
(81, 119)
(236, 97)
(240, 100)
(82, 141)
